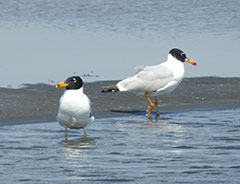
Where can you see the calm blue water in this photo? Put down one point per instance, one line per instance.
(106, 37)
(151, 16)
(190, 147)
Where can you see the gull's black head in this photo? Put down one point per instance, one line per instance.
(181, 56)
(178, 54)
(74, 82)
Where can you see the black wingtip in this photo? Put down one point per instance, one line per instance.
(107, 89)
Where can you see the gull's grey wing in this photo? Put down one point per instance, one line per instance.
(149, 79)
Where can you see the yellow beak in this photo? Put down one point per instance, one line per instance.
(61, 84)
(191, 62)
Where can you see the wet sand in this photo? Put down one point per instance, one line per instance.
(39, 102)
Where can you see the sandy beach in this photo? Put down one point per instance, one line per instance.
(39, 102)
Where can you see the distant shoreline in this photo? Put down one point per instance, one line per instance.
(36, 103)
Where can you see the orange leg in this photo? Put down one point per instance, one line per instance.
(85, 135)
(66, 135)
(149, 109)
(156, 105)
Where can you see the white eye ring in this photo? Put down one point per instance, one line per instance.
(74, 80)
(182, 54)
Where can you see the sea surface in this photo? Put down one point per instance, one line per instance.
(198, 147)
(151, 16)
(47, 41)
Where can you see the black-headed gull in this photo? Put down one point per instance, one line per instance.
(155, 80)
(74, 106)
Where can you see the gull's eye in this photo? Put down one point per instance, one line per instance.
(74, 80)
(183, 55)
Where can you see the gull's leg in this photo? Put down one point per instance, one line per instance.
(66, 134)
(149, 109)
(85, 135)
(156, 105)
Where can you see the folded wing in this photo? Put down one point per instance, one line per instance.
(149, 79)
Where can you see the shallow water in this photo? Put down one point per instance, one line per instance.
(190, 147)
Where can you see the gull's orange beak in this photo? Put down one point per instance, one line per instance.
(191, 62)
(61, 84)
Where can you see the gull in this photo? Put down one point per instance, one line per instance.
(155, 80)
(74, 106)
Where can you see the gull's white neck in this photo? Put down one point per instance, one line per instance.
(176, 66)
(75, 91)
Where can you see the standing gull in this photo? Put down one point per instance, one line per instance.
(155, 80)
(74, 106)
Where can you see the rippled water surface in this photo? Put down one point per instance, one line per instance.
(189, 147)
(102, 38)
(151, 15)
